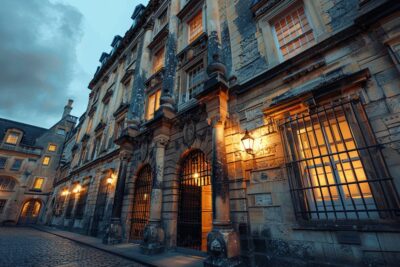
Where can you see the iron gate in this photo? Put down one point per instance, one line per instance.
(101, 202)
(141, 203)
(195, 174)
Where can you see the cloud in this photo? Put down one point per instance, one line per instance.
(37, 59)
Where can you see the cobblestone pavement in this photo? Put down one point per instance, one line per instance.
(28, 247)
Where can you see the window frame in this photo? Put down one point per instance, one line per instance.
(287, 11)
(46, 163)
(157, 102)
(184, 83)
(41, 184)
(156, 68)
(4, 165)
(191, 39)
(3, 203)
(21, 161)
(52, 145)
(18, 134)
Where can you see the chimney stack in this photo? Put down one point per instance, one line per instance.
(68, 108)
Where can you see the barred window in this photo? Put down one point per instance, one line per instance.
(2, 205)
(335, 166)
(70, 205)
(293, 32)
(59, 206)
(80, 206)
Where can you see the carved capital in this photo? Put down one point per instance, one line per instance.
(217, 120)
(161, 140)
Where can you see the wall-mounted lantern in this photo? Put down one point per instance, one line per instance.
(248, 142)
(77, 189)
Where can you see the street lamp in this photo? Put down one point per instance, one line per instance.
(248, 142)
(65, 192)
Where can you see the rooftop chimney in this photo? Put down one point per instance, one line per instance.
(68, 108)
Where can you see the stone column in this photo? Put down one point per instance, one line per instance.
(114, 232)
(154, 237)
(223, 244)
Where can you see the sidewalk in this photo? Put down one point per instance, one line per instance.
(129, 251)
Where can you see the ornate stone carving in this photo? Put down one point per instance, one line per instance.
(189, 133)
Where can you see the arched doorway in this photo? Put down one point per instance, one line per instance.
(141, 203)
(30, 212)
(195, 202)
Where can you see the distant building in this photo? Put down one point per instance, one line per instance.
(263, 132)
(29, 157)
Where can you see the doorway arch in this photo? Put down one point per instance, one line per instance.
(141, 203)
(30, 212)
(195, 202)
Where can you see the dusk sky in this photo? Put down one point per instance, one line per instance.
(49, 51)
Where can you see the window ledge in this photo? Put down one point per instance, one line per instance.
(361, 226)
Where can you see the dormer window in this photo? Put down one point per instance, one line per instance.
(12, 137)
(195, 26)
(158, 60)
(153, 104)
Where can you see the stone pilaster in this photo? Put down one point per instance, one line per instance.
(114, 233)
(223, 244)
(138, 95)
(154, 237)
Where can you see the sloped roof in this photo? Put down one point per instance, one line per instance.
(31, 133)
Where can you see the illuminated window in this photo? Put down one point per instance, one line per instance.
(12, 138)
(46, 161)
(293, 32)
(37, 185)
(153, 104)
(16, 165)
(52, 148)
(2, 205)
(195, 79)
(195, 25)
(335, 172)
(158, 61)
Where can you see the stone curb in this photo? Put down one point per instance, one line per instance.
(96, 247)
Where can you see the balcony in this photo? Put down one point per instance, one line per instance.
(22, 149)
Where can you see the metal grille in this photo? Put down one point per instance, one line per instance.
(141, 202)
(70, 205)
(59, 205)
(80, 206)
(101, 202)
(7, 184)
(336, 168)
(195, 173)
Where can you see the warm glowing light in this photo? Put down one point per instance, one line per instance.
(109, 180)
(77, 188)
(248, 142)
(64, 192)
(145, 196)
(196, 175)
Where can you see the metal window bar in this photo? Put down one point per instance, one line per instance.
(141, 203)
(80, 206)
(195, 173)
(336, 168)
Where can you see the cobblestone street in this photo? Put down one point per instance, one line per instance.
(30, 247)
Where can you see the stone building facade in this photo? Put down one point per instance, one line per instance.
(29, 158)
(263, 132)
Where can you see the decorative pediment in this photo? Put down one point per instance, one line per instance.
(108, 95)
(193, 51)
(100, 126)
(128, 74)
(160, 37)
(121, 109)
(92, 110)
(155, 80)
